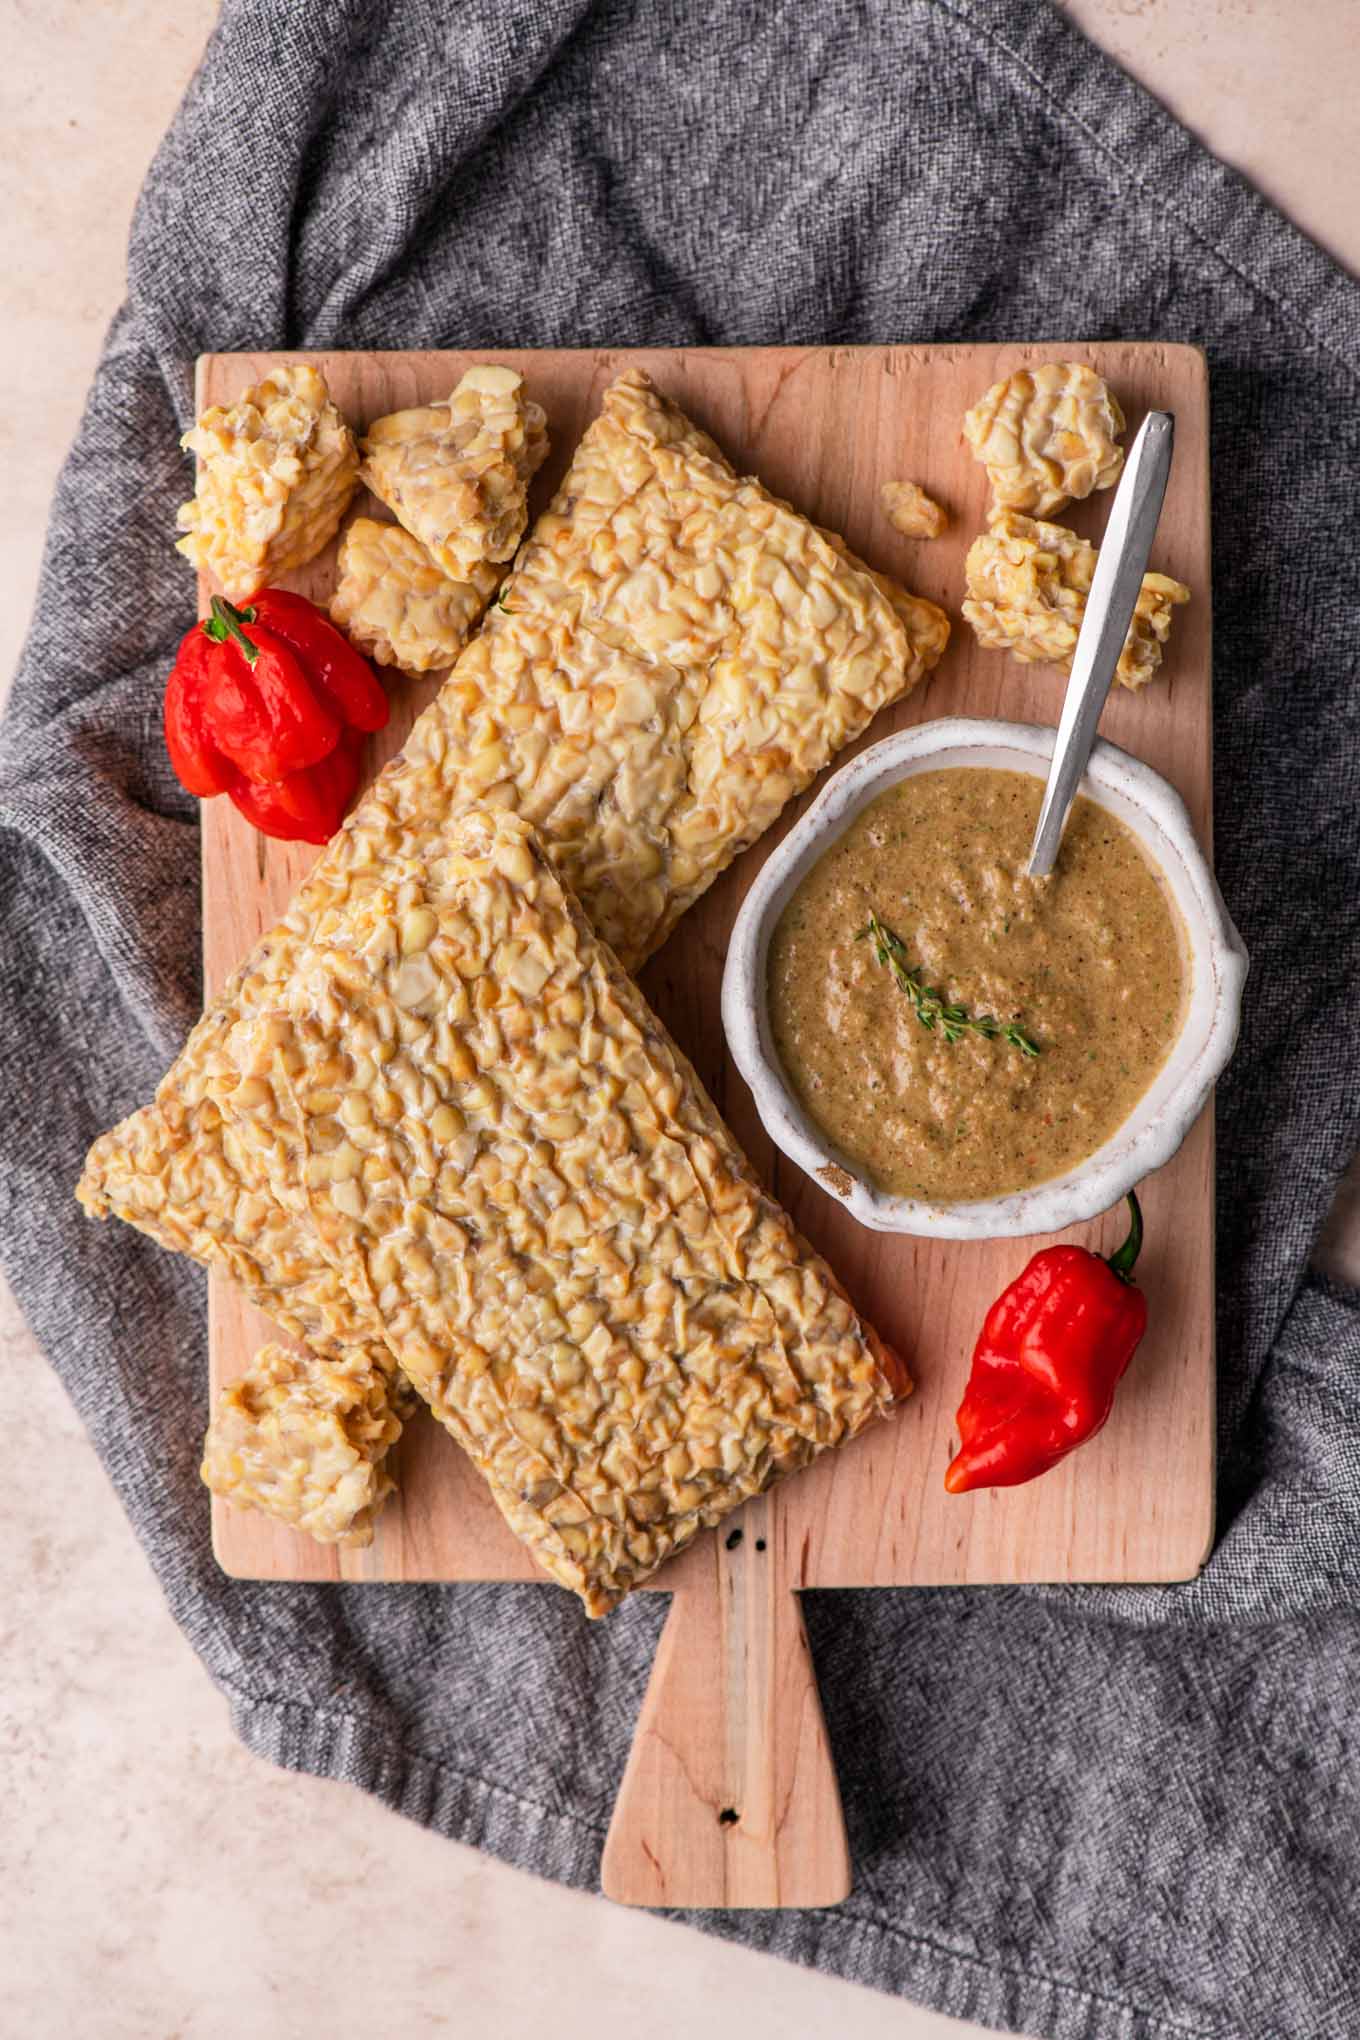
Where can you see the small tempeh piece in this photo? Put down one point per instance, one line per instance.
(1027, 586)
(911, 511)
(436, 1078)
(276, 471)
(303, 1438)
(456, 474)
(1047, 436)
(398, 606)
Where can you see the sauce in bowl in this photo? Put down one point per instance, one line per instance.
(1086, 967)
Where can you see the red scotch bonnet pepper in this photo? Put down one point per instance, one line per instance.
(270, 705)
(1046, 1366)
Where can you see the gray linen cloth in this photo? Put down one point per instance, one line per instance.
(1076, 1813)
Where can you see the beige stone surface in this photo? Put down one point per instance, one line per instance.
(1269, 85)
(156, 1875)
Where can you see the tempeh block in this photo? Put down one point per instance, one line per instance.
(437, 1077)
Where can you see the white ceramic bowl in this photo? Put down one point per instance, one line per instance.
(1163, 1115)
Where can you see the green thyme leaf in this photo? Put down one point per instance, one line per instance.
(931, 1007)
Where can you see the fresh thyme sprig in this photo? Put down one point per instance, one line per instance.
(931, 1007)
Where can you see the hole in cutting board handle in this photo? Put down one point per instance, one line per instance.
(728, 1817)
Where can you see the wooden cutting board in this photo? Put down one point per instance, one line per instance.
(729, 1797)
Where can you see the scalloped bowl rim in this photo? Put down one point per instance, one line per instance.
(1158, 1123)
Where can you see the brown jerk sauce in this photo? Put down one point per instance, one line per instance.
(1090, 963)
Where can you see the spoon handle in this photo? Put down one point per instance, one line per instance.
(1109, 611)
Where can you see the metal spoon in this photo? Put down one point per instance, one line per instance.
(1109, 612)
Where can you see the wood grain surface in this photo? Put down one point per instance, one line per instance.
(823, 427)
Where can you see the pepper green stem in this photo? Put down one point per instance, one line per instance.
(1122, 1262)
(226, 621)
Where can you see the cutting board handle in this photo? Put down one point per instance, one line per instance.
(730, 1795)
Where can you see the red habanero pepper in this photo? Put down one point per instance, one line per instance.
(245, 701)
(1047, 1362)
(269, 704)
